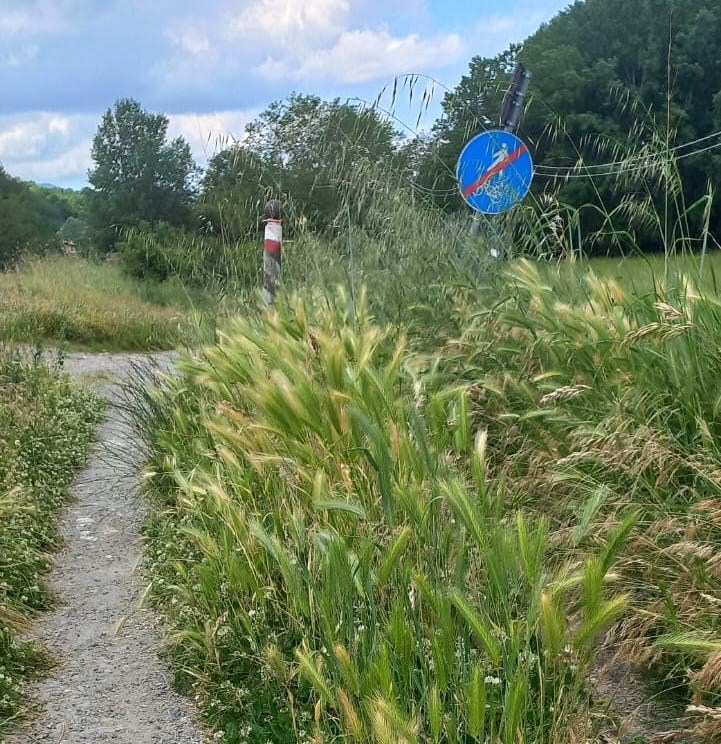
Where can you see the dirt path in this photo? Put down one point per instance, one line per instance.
(110, 685)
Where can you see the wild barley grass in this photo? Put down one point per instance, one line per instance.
(362, 540)
(46, 425)
(73, 301)
(640, 430)
(334, 560)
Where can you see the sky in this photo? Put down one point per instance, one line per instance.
(211, 66)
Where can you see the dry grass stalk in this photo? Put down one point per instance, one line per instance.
(708, 679)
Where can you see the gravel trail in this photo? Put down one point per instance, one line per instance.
(110, 685)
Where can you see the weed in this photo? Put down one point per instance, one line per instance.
(46, 425)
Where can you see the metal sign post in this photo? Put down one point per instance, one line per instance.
(513, 102)
(495, 168)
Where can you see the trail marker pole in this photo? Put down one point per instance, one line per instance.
(272, 249)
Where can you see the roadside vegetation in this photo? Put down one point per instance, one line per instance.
(364, 537)
(69, 301)
(444, 491)
(46, 426)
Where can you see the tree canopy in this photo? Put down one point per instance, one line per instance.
(138, 176)
(30, 217)
(303, 149)
(609, 77)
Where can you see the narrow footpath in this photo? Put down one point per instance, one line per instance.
(110, 685)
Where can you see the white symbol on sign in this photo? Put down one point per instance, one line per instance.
(496, 190)
(495, 187)
(499, 157)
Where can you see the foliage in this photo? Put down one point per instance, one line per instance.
(30, 217)
(304, 150)
(160, 252)
(474, 105)
(75, 230)
(233, 193)
(612, 81)
(70, 300)
(334, 559)
(137, 176)
(46, 425)
(604, 399)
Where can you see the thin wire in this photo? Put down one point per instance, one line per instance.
(559, 170)
(610, 168)
(630, 167)
(600, 170)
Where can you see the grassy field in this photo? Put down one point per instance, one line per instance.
(46, 426)
(458, 539)
(79, 303)
(642, 275)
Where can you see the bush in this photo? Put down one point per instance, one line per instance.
(160, 251)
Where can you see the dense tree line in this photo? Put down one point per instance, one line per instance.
(610, 78)
(31, 216)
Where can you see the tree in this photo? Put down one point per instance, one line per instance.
(234, 188)
(609, 77)
(138, 176)
(474, 105)
(312, 149)
(30, 217)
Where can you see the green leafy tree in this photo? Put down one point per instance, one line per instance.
(138, 175)
(234, 188)
(30, 217)
(609, 77)
(312, 150)
(472, 107)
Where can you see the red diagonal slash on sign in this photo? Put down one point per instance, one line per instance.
(488, 175)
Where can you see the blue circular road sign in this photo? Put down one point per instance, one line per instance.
(494, 172)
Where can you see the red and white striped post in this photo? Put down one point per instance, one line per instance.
(272, 249)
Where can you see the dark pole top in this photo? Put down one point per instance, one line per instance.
(272, 210)
(513, 102)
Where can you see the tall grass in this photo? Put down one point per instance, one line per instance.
(606, 400)
(46, 425)
(78, 302)
(335, 560)
(432, 505)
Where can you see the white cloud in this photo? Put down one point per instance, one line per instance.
(34, 136)
(15, 22)
(190, 40)
(52, 147)
(70, 166)
(281, 19)
(362, 56)
(41, 17)
(337, 41)
(19, 57)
